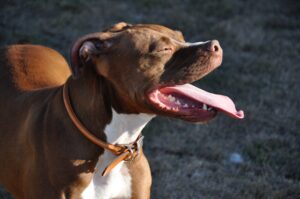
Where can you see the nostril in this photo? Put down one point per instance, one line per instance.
(215, 48)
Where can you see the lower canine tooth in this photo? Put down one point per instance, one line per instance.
(204, 107)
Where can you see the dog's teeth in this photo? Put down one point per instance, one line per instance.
(204, 107)
(209, 108)
(185, 105)
(178, 102)
(175, 109)
(171, 98)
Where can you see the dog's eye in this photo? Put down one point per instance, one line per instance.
(165, 50)
(158, 48)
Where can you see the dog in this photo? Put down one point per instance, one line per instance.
(77, 133)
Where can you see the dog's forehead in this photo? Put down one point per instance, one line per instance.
(146, 29)
(154, 29)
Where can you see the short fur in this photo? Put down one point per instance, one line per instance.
(42, 154)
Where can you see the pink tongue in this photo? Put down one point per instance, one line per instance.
(220, 102)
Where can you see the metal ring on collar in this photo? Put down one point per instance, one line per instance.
(131, 150)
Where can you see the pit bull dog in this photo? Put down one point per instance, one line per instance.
(80, 136)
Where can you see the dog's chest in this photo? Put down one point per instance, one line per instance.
(117, 184)
(123, 129)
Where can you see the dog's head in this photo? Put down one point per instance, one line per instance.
(150, 68)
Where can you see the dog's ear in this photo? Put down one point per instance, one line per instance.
(119, 27)
(84, 49)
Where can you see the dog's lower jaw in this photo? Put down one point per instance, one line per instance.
(123, 129)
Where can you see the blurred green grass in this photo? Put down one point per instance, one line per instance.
(260, 72)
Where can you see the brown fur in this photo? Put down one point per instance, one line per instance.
(35, 67)
(42, 154)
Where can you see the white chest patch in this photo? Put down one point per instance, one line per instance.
(123, 129)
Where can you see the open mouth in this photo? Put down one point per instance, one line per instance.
(191, 103)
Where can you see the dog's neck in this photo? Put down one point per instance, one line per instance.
(89, 104)
(98, 107)
(125, 128)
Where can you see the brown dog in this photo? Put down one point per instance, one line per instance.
(122, 77)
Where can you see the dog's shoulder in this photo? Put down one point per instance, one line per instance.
(32, 67)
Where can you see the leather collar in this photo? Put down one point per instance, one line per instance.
(124, 152)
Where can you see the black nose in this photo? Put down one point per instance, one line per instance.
(213, 46)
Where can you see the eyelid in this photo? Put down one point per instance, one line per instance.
(165, 49)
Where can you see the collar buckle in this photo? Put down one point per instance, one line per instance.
(134, 148)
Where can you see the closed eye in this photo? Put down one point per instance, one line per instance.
(165, 50)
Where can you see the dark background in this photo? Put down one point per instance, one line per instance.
(258, 157)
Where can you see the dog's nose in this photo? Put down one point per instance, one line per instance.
(213, 46)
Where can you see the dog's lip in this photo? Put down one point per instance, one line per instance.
(195, 96)
(191, 114)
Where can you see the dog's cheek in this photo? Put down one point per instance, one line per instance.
(102, 67)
